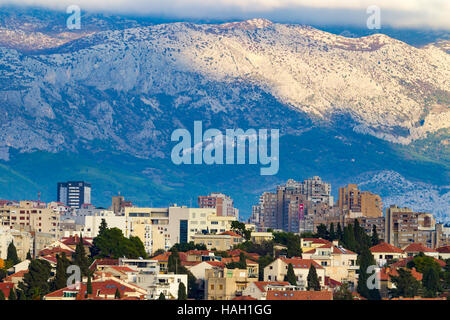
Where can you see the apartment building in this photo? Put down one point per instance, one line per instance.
(404, 226)
(33, 216)
(292, 206)
(226, 284)
(222, 241)
(222, 203)
(338, 262)
(354, 203)
(277, 270)
(74, 193)
(157, 283)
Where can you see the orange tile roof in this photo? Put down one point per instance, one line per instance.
(299, 295)
(386, 273)
(99, 289)
(6, 288)
(262, 285)
(385, 247)
(445, 249)
(417, 247)
(123, 269)
(301, 263)
(103, 262)
(317, 240)
(18, 274)
(231, 233)
(244, 298)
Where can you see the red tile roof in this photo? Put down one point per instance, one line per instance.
(332, 283)
(417, 247)
(123, 269)
(386, 273)
(103, 262)
(445, 249)
(231, 233)
(317, 240)
(51, 259)
(299, 295)
(216, 264)
(99, 289)
(385, 247)
(336, 250)
(199, 252)
(56, 250)
(301, 263)
(6, 288)
(262, 285)
(244, 298)
(404, 262)
(18, 274)
(74, 240)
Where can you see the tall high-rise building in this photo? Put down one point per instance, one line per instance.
(291, 207)
(403, 226)
(222, 203)
(354, 203)
(74, 193)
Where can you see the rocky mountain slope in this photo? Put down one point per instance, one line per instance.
(124, 91)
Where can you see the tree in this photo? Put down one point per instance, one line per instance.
(422, 263)
(366, 259)
(35, 282)
(103, 227)
(12, 254)
(332, 235)
(12, 294)
(162, 296)
(89, 285)
(322, 232)
(348, 238)
(111, 243)
(80, 258)
(29, 256)
(405, 284)
(182, 291)
(290, 276)
(117, 294)
(3, 274)
(60, 280)
(430, 282)
(313, 280)
(339, 233)
(2, 295)
(291, 241)
(375, 239)
(343, 293)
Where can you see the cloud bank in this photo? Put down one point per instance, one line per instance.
(397, 13)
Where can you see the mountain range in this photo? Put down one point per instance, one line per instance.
(100, 104)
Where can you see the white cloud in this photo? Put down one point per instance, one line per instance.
(429, 13)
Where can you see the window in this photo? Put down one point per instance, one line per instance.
(212, 287)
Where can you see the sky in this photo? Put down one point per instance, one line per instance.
(397, 13)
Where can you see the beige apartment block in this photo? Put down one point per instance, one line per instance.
(222, 242)
(31, 216)
(354, 203)
(226, 284)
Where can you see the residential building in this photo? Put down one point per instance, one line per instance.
(74, 193)
(31, 216)
(222, 203)
(414, 249)
(339, 263)
(225, 284)
(444, 252)
(260, 237)
(221, 242)
(404, 226)
(299, 295)
(259, 289)
(167, 284)
(118, 204)
(354, 203)
(385, 253)
(277, 270)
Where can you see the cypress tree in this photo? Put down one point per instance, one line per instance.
(62, 263)
(162, 296)
(12, 254)
(117, 294)
(2, 295)
(79, 257)
(366, 259)
(430, 282)
(332, 233)
(182, 291)
(375, 239)
(35, 282)
(29, 256)
(290, 276)
(12, 294)
(313, 280)
(339, 233)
